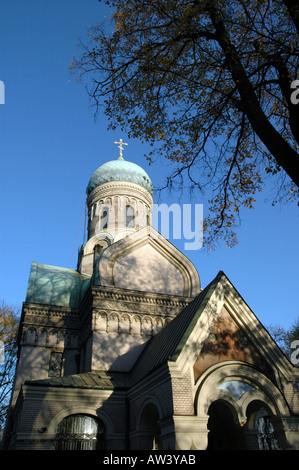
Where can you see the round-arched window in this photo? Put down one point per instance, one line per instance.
(104, 218)
(130, 216)
(265, 432)
(79, 432)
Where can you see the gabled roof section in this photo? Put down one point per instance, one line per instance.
(169, 342)
(181, 341)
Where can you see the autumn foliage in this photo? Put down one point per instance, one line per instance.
(207, 84)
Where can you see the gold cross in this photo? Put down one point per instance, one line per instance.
(121, 143)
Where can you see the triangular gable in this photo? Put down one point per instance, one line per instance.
(228, 342)
(218, 307)
(225, 319)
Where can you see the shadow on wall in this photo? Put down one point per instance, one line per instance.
(147, 270)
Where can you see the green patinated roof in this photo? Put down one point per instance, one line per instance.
(52, 285)
(120, 170)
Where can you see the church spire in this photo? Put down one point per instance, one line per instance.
(121, 143)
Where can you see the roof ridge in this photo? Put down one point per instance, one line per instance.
(168, 343)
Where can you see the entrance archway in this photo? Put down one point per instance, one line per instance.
(243, 403)
(261, 426)
(224, 431)
(150, 431)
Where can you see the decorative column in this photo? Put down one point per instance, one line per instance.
(191, 432)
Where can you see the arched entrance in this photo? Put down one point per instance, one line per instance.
(149, 429)
(224, 431)
(261, 427)
(245, 409)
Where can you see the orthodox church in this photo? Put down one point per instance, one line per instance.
(129, 352)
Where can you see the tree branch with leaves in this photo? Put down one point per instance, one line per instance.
(9, 324)
(207, 84)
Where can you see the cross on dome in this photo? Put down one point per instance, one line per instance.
(121, 143)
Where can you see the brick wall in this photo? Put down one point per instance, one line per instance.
(182, 395)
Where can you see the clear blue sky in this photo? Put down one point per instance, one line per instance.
(50, 146)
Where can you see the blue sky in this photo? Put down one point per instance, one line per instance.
(50, 145)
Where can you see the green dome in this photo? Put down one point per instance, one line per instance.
(120, 170)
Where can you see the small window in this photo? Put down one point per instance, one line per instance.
(80, 432)
(94, 210)
(104, 219)
(130, 217)
(55, 364)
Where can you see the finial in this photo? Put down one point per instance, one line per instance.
(121, 143)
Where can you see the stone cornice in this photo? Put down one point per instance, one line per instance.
(50, 310)
(113, 293)
(119, 188)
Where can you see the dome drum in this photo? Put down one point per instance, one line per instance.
(119, 188)
(119, 198)
(119, 201)
(118, 206)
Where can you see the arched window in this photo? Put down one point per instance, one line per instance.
(94, 210)
(260, 425)
(130, 217)
(265, 432)
(224, 431)
(150, 428)
(104, 219)
(79, 432)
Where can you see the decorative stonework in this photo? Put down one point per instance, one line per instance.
(125, 323)
(52, 327)
(142, 298)
(55, 315)
(115, 189)
(113, 311)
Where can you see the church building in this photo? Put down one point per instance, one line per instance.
(130, 352)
